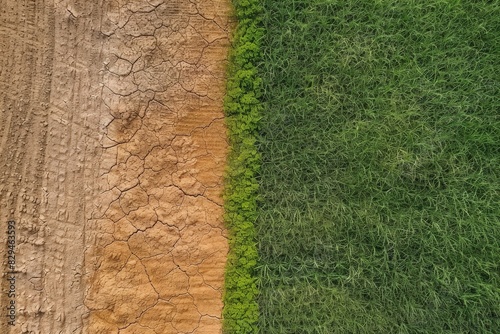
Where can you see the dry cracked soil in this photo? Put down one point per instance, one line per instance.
(112, 152)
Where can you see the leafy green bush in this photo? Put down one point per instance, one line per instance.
(243, 110)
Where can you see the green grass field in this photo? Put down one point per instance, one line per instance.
(379, 184)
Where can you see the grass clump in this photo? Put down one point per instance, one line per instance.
(243, 111)
(380, 144)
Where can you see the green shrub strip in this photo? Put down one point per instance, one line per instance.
(243, 110)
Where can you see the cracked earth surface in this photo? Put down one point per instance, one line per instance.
(112, 152)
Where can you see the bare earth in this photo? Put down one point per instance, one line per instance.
(112, 151)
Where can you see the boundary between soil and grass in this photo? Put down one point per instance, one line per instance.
(243, 110)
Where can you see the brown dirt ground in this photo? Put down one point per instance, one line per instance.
(112, 151)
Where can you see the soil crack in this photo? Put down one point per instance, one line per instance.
(163, 83)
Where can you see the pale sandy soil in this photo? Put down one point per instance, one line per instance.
(112, 151)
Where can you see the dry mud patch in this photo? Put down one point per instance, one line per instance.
(112, 151)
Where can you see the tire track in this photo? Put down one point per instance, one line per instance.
(25, 84)
(49, 159)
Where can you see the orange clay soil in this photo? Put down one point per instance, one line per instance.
(112, 151)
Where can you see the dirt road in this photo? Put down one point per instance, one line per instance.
(112, 151)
